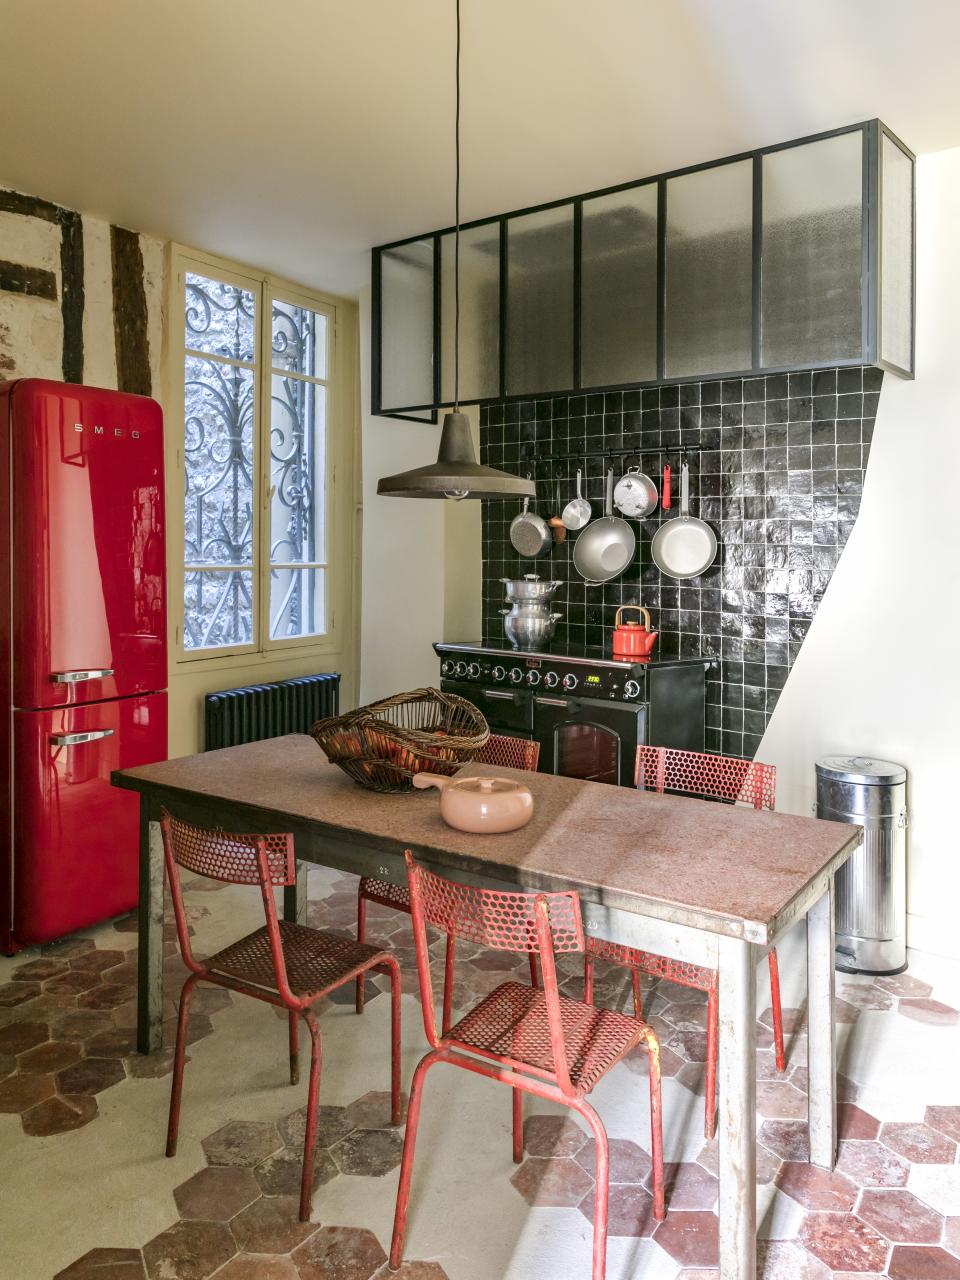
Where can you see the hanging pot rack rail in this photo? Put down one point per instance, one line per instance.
(582, 455)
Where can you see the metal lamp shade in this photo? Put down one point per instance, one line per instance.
(456, 472)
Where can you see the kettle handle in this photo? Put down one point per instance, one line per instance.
(639, 608)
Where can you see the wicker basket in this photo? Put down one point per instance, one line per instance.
(383, 745)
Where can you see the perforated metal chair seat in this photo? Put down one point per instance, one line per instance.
(511, 1022)
(317, 960)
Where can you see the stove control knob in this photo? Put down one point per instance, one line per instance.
(498, 674)
(551, 680)
(447, 667)
(516, 675)
(631, 689)
(473, 671)
(533, 678)
(461, 669)
(570, 682)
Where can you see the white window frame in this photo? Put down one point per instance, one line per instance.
(339, 446)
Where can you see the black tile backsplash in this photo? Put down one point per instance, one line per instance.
(776, 466)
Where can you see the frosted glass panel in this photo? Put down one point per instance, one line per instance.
(812, 245)
(896, 255)
(618, 331)
(406, 325)
(540, 301)
(709, 270)
(479, 313)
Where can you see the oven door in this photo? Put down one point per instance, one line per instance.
(587, 738)
(506, 711)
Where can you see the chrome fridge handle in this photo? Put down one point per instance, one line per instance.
(75, 677)
(74, 739)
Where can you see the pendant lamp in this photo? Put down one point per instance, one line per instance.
(456, 473)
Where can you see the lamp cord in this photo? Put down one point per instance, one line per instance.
(456, 236)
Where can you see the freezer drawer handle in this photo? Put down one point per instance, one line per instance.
(75, 677)
(74, 739)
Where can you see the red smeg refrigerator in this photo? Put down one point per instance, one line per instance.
(83, 654)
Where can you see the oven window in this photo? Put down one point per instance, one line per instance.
(588, 751)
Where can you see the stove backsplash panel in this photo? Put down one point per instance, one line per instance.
(776, 466)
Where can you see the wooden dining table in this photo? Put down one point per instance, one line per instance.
(712, 884)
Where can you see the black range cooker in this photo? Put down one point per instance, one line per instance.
(588, 711)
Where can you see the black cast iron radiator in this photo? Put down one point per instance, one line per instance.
(259, 711)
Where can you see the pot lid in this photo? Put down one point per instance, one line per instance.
(486, 785)
(863, 769)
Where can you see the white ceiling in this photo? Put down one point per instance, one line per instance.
(294, 136)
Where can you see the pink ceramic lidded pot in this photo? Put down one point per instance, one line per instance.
(481, 804)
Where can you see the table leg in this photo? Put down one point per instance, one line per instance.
(150, 935)
(738, 1110)
(295, 896)
(821, 1043)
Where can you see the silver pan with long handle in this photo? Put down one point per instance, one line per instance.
(529, 533)
(606, 547)
(684, 547)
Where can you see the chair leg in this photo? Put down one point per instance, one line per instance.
(179, 1057)
(448, 982)
(294, 1028)
(396, 1106)
(637, 995)
(534, 972)
(656, 1127)
(406, 1163)
(602, 1190)
(588, 963)
(517, 1125)
(361, 937)
(313, 1097)
(710, 1102)
(777, 1010)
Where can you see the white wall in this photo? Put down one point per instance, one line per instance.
(879, 672)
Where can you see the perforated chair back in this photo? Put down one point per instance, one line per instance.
(710, 777)
(510, 753)
(222, 855)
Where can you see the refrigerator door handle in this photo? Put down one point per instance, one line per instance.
(75, 677)
(74, 739)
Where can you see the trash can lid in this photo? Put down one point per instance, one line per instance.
(863, 769)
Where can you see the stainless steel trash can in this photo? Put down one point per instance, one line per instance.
(871, 889)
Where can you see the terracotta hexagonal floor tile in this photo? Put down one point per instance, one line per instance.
(150, 1066)
(872, 1165)
(902, 984)
(18, 1037)
(241, 1142)
(779, 1100)
(19, 1092)
(855, 1123)
(188, 1251)
(216, 1193)
(372, 1111)
(78, 1024)
(52, 1055)
(552, 1136)
(689, 1186)
(14, 993)
(690, 1238)
(271, 1225)
(817, 1188)
(951, 1235)
(105, 1264)
(119, 1042)
(918, 1143)
(671, 1063)
(40, 969)
(784, 1260)
(279, 1174)
(844, 1012)
(844, 1242)
(914, 1262)
(930, 1011)
(413, 1271)
(945, 1120)
(628, 1162)
(629, 1210)
(793, 1019)
(98, 960)
(864, 995)
(59, 1114)
(331, 1126)
(109, 995)
(785, 1138)
(368, 1153)
(339, 1253)
(557, 1181)
(698, 1273)
(901, 1217)
(72, 983)
(92, 1075)
(256, 1266)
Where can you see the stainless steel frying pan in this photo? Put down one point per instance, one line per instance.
(684, 547)
(606, 547)
(529, 533)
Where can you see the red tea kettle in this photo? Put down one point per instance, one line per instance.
(633, 640)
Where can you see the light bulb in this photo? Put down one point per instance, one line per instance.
(456, 495)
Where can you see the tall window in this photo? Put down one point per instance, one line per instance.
(257, 362)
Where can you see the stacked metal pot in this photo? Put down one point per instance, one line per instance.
(529, 622)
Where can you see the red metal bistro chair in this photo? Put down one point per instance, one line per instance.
(499, 749)
(716, 778)
(536, 1041)
(288, 965)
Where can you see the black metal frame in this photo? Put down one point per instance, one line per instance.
(872, 131)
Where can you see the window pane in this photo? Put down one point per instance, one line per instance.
(297, 442)
(219, 318)
(406, 325)
(298, 339)
(218, 463)
(812, 232)
(618, 289)
(297, 603)
(540, 301)
(896, 256)
(218, 608)
(709, 297)
(479, 313)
